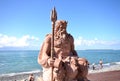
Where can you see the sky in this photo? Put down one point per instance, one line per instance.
(94, 24)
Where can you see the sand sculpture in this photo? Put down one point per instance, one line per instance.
(58, 57)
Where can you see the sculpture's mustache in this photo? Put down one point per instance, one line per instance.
(60, 34)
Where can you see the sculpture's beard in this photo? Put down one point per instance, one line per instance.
(61, 35)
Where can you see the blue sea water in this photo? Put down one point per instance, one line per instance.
(26, 61)
(18, 61)
(93, 56)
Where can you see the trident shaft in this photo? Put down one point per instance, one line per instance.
(53, 20)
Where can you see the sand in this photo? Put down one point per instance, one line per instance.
(111, 73)
(105, 76)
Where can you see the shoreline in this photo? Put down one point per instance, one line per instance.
(92, 74)
(20, 77)
(105, 69)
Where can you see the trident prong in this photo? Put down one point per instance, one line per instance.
(53, 15)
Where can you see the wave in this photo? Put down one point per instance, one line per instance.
(112, 63)
(22, 76)
(106, 67)
(21, 73)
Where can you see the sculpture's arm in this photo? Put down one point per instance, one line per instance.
(44, 53)
(72, 46)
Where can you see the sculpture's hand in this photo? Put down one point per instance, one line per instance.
(51, 62)
(82, 61)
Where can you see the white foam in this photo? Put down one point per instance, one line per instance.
(13, 74)
(105, 69)
(118, 63)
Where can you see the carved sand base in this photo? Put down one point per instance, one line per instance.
(69, 69)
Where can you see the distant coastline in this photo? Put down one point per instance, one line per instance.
(18, 49)
(100, 49)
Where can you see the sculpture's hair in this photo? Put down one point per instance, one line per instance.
(60, 23)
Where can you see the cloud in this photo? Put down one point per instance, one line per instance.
(80, 41)
(33, 42)
(12, 41)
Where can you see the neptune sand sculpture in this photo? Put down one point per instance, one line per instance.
(58, 57)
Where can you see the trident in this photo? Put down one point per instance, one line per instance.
(53, 20)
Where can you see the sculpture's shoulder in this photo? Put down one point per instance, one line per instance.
(70, 37)
(48, 35)
(48, 38)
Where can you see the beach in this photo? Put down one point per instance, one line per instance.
(105, 76)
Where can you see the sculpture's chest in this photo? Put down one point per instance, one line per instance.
(62, 43)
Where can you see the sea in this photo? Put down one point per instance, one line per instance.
(25, 61)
